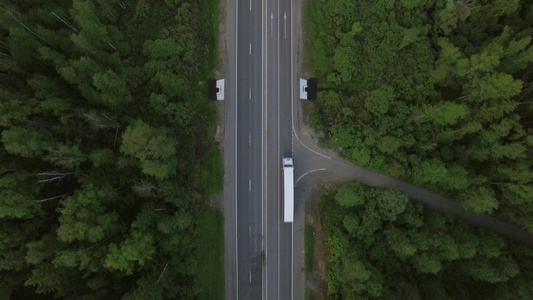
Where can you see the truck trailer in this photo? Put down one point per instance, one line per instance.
(288, 190)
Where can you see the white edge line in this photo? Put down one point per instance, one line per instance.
(296, 135)
(292, 261)
(312, 171)
(264, 228)
(292, 119)
(236, 116)
(279, 152)
(292, 79)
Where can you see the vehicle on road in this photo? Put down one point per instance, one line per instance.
(288, 190)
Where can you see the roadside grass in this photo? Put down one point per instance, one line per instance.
(212, 172)
(308, 107)
(309, 294)
(210, 279)
(316, 275)
(210, 252)
(209, 117)
(208, 26)
(309, 249)
(316, 27)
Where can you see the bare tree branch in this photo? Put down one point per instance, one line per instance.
(46, 177)
(10, 11)
(98, 120)
(115, 141)
(52, 198)
(66, 22)
(160, 276)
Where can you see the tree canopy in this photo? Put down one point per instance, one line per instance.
(104, 130)
(385, 247)
(434, 92)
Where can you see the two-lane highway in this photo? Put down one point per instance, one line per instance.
(258, 134)
(248, 152)
(279, 262)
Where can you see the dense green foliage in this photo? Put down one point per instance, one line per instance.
(381, 245)
(213, 173)
(436, 92)
(104, 130)
(210, 253)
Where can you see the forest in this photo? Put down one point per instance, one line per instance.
(383, 246)
(107, 151)
(438, 93)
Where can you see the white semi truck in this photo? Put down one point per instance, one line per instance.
(288, 190)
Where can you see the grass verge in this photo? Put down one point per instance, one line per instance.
(309, 249)
(309, 295)
(213, 172)
(210, 252)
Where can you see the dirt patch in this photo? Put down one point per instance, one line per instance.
(316, 281)
(216, 202)
(219, 133)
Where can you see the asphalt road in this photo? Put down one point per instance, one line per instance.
(249, 111)
(257, 135)
(279, 255)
